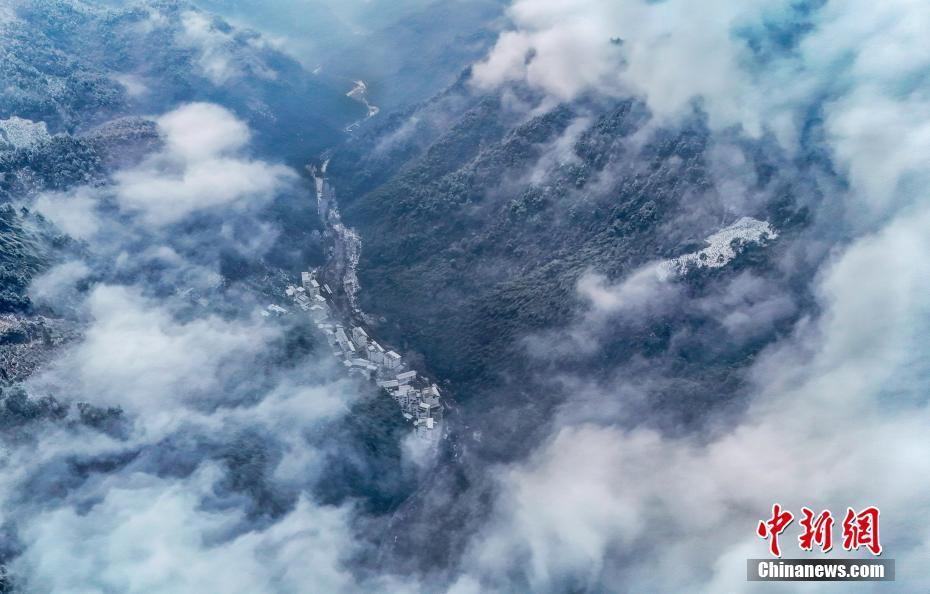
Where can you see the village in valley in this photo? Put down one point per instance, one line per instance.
(417, 396)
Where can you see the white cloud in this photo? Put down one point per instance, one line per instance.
(220, 58)
(200, 131)
(199, 169)
(56, 283)
(749, 307)
(137, 355)
(163, 198)
(653, 290)
(215, 58)
(837, 418)
(646, 286)
(837, 412)
(72, 212)
(643, 294)
(669, 53)
(883, 145)
(154, 20)
(150, 535)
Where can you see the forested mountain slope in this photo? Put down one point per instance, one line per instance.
(481, 213)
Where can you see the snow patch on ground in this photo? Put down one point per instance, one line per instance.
(360, 93)
(722, 246)
(7, 14)
(22, 133)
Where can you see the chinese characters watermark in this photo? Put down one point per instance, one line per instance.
(859, 529)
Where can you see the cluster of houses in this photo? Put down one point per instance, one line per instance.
(417, 396)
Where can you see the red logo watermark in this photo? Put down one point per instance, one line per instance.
(859, 529)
